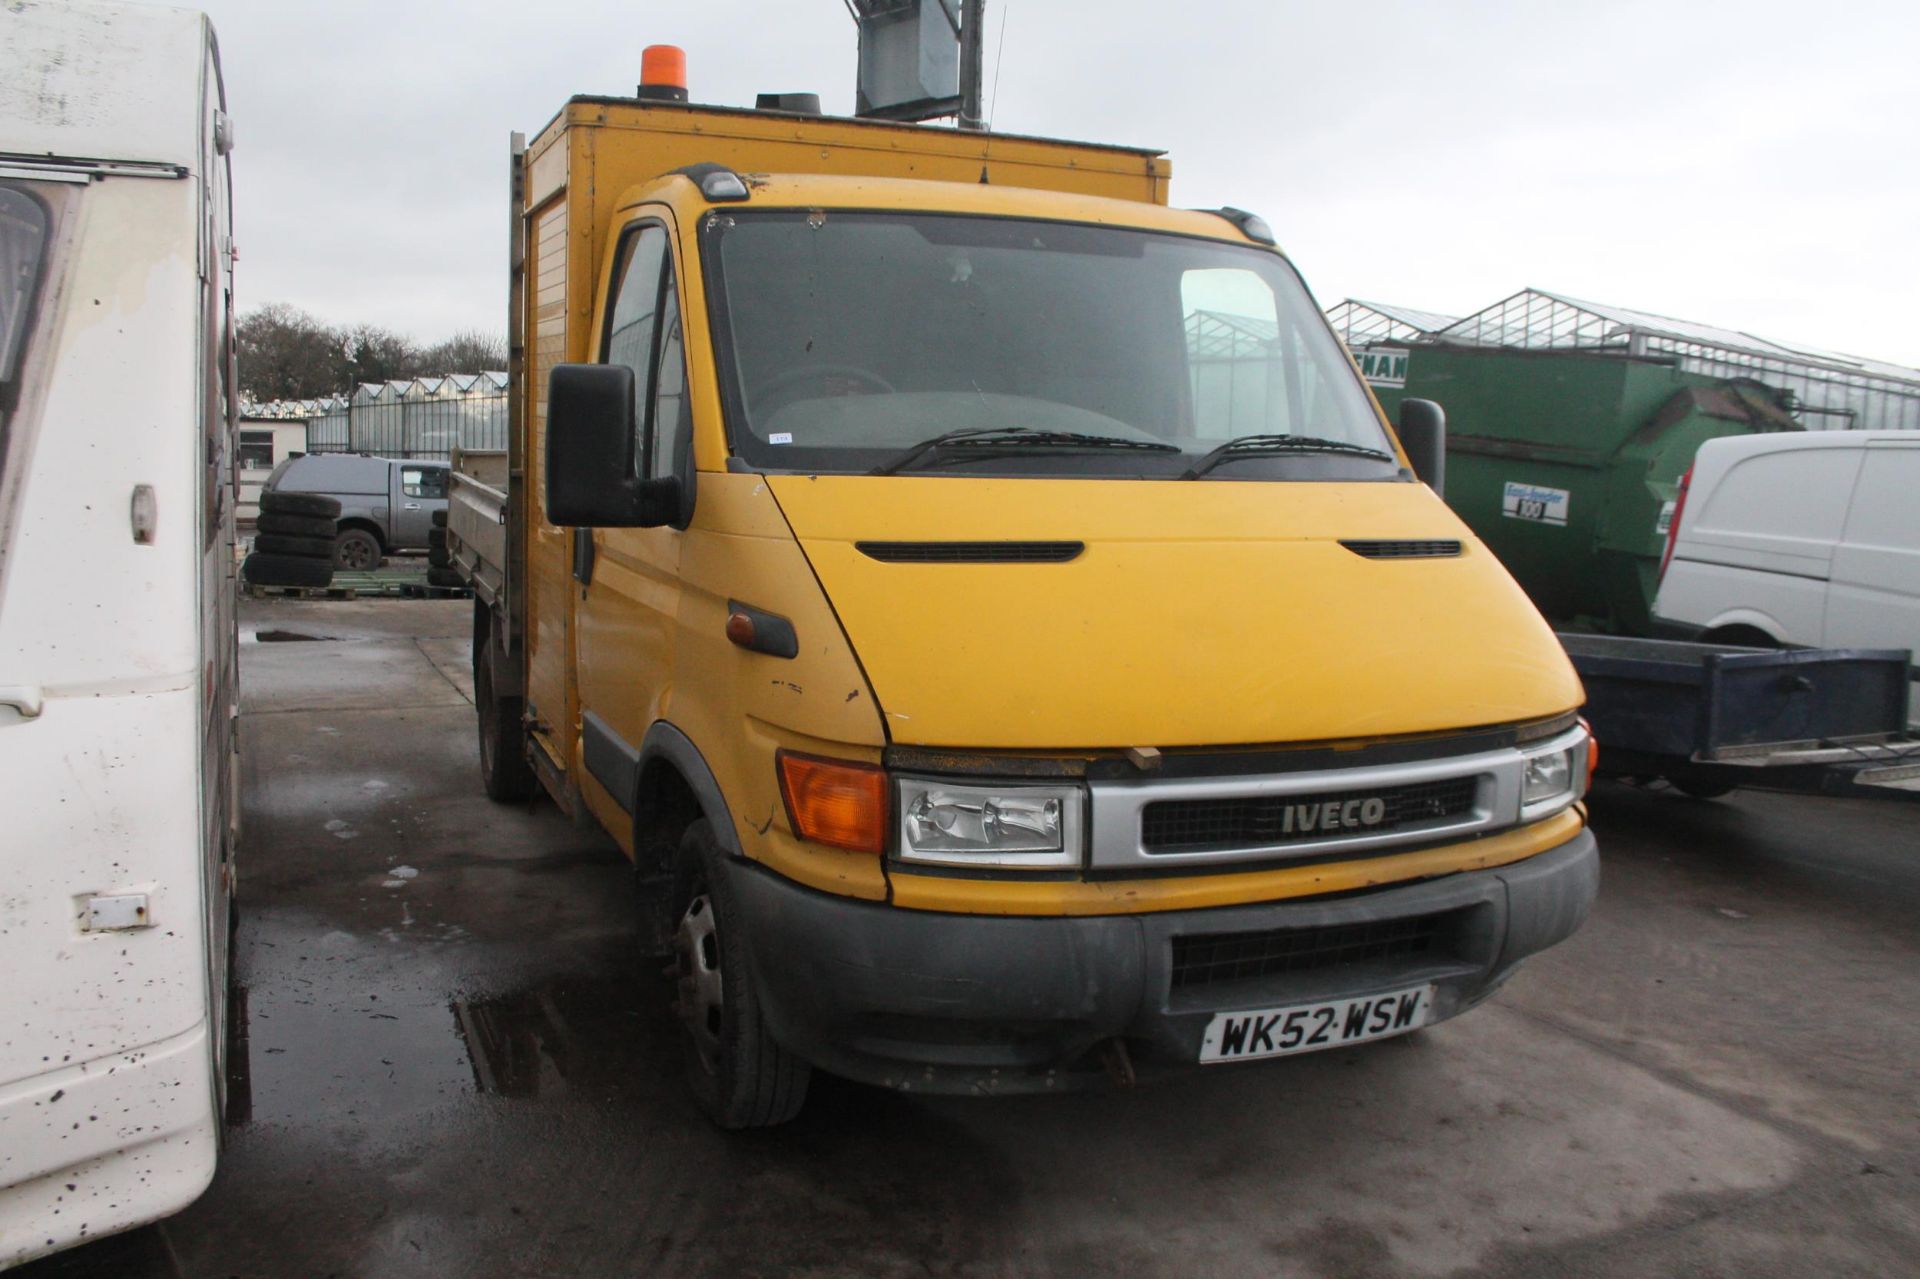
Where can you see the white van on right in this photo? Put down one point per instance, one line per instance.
(1803, 539)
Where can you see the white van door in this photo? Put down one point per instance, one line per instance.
(1873, 595)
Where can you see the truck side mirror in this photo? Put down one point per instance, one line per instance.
(1423, 434)
(590, 428)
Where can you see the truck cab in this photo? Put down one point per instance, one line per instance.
(994, 615)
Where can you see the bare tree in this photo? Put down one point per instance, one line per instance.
(286, 354)
(468, 351)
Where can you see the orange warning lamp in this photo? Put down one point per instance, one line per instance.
(663, 73)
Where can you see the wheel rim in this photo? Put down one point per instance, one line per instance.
(702, 1002)
(354, 553)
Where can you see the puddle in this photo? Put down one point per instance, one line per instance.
(285, 637)
(541, 1041)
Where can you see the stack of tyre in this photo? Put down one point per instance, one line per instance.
(440, 569)
(293, 544)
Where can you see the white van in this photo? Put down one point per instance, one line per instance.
(1806, 539)
(117, 652)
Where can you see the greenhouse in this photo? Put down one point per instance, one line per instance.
(1827, 390)
(420, 417)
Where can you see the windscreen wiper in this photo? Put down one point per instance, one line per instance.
(1015, 437)
(1275, 445)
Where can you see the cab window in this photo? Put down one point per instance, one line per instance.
(423, 481)
(644, 333)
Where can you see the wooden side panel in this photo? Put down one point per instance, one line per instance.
(549, 557)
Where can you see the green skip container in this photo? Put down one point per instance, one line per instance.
(1570, 425)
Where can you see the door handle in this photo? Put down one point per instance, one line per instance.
(409, 506)
(23, 698)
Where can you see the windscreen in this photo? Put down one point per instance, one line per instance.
(846, 340)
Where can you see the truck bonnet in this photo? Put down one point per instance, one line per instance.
(1059, 614)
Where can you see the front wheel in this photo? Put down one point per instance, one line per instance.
(739, 1076)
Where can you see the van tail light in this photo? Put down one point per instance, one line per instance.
(1673, 525)
(834, 802)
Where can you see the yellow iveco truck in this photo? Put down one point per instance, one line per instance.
(993, 614)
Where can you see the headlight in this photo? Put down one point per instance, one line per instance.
(991, 824)
(1554, 778)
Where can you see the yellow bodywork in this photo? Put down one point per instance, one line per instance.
(1202, 614)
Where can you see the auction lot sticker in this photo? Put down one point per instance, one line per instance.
(1531, 502)
(1305, 1028)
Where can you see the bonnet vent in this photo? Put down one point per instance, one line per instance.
(1402, 550)
(971, 552)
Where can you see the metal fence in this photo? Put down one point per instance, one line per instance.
(423, 418)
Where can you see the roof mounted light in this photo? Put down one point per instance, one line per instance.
(724, 185)
(1251, 225)
(717, 182)
(663, 73)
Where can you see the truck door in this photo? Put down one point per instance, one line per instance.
(628, 578)
(420, 490)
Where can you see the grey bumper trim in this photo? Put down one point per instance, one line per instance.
(973, 1003)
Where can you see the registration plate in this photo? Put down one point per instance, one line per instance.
(1305, 1028)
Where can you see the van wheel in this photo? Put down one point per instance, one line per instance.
(504, 770)
(739, 1076)
(356, 550)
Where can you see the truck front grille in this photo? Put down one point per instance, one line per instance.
(1228, 957)
(1187, 825)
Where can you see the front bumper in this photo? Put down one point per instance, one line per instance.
(988, 1004)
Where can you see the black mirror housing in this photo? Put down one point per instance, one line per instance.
(590, 439)
(1423, 434)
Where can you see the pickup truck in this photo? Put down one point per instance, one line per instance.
(386, 504)
(993, 614)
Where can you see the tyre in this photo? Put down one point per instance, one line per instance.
(315, 505)
(436, 539)
(439, 558)
(356, 550)
(445, 577)
(504, 770)
(317, 548)
(739, 1076)
(296, 526)
(439, 518)
(264, 569)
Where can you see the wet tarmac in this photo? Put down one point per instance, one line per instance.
(450, 1060)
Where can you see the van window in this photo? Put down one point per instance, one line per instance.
(670, 422)
(1883, 516)
(1791, 495)
(423, 481)
(23, 247)
(632, 324)
(847, 338)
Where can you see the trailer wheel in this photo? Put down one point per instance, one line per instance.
(739, 1076)
(504, 770)
(356, 550)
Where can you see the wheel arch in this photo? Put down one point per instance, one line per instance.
(364, 524)
(674, 788)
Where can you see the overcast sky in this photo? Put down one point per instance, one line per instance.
(1751, 165)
